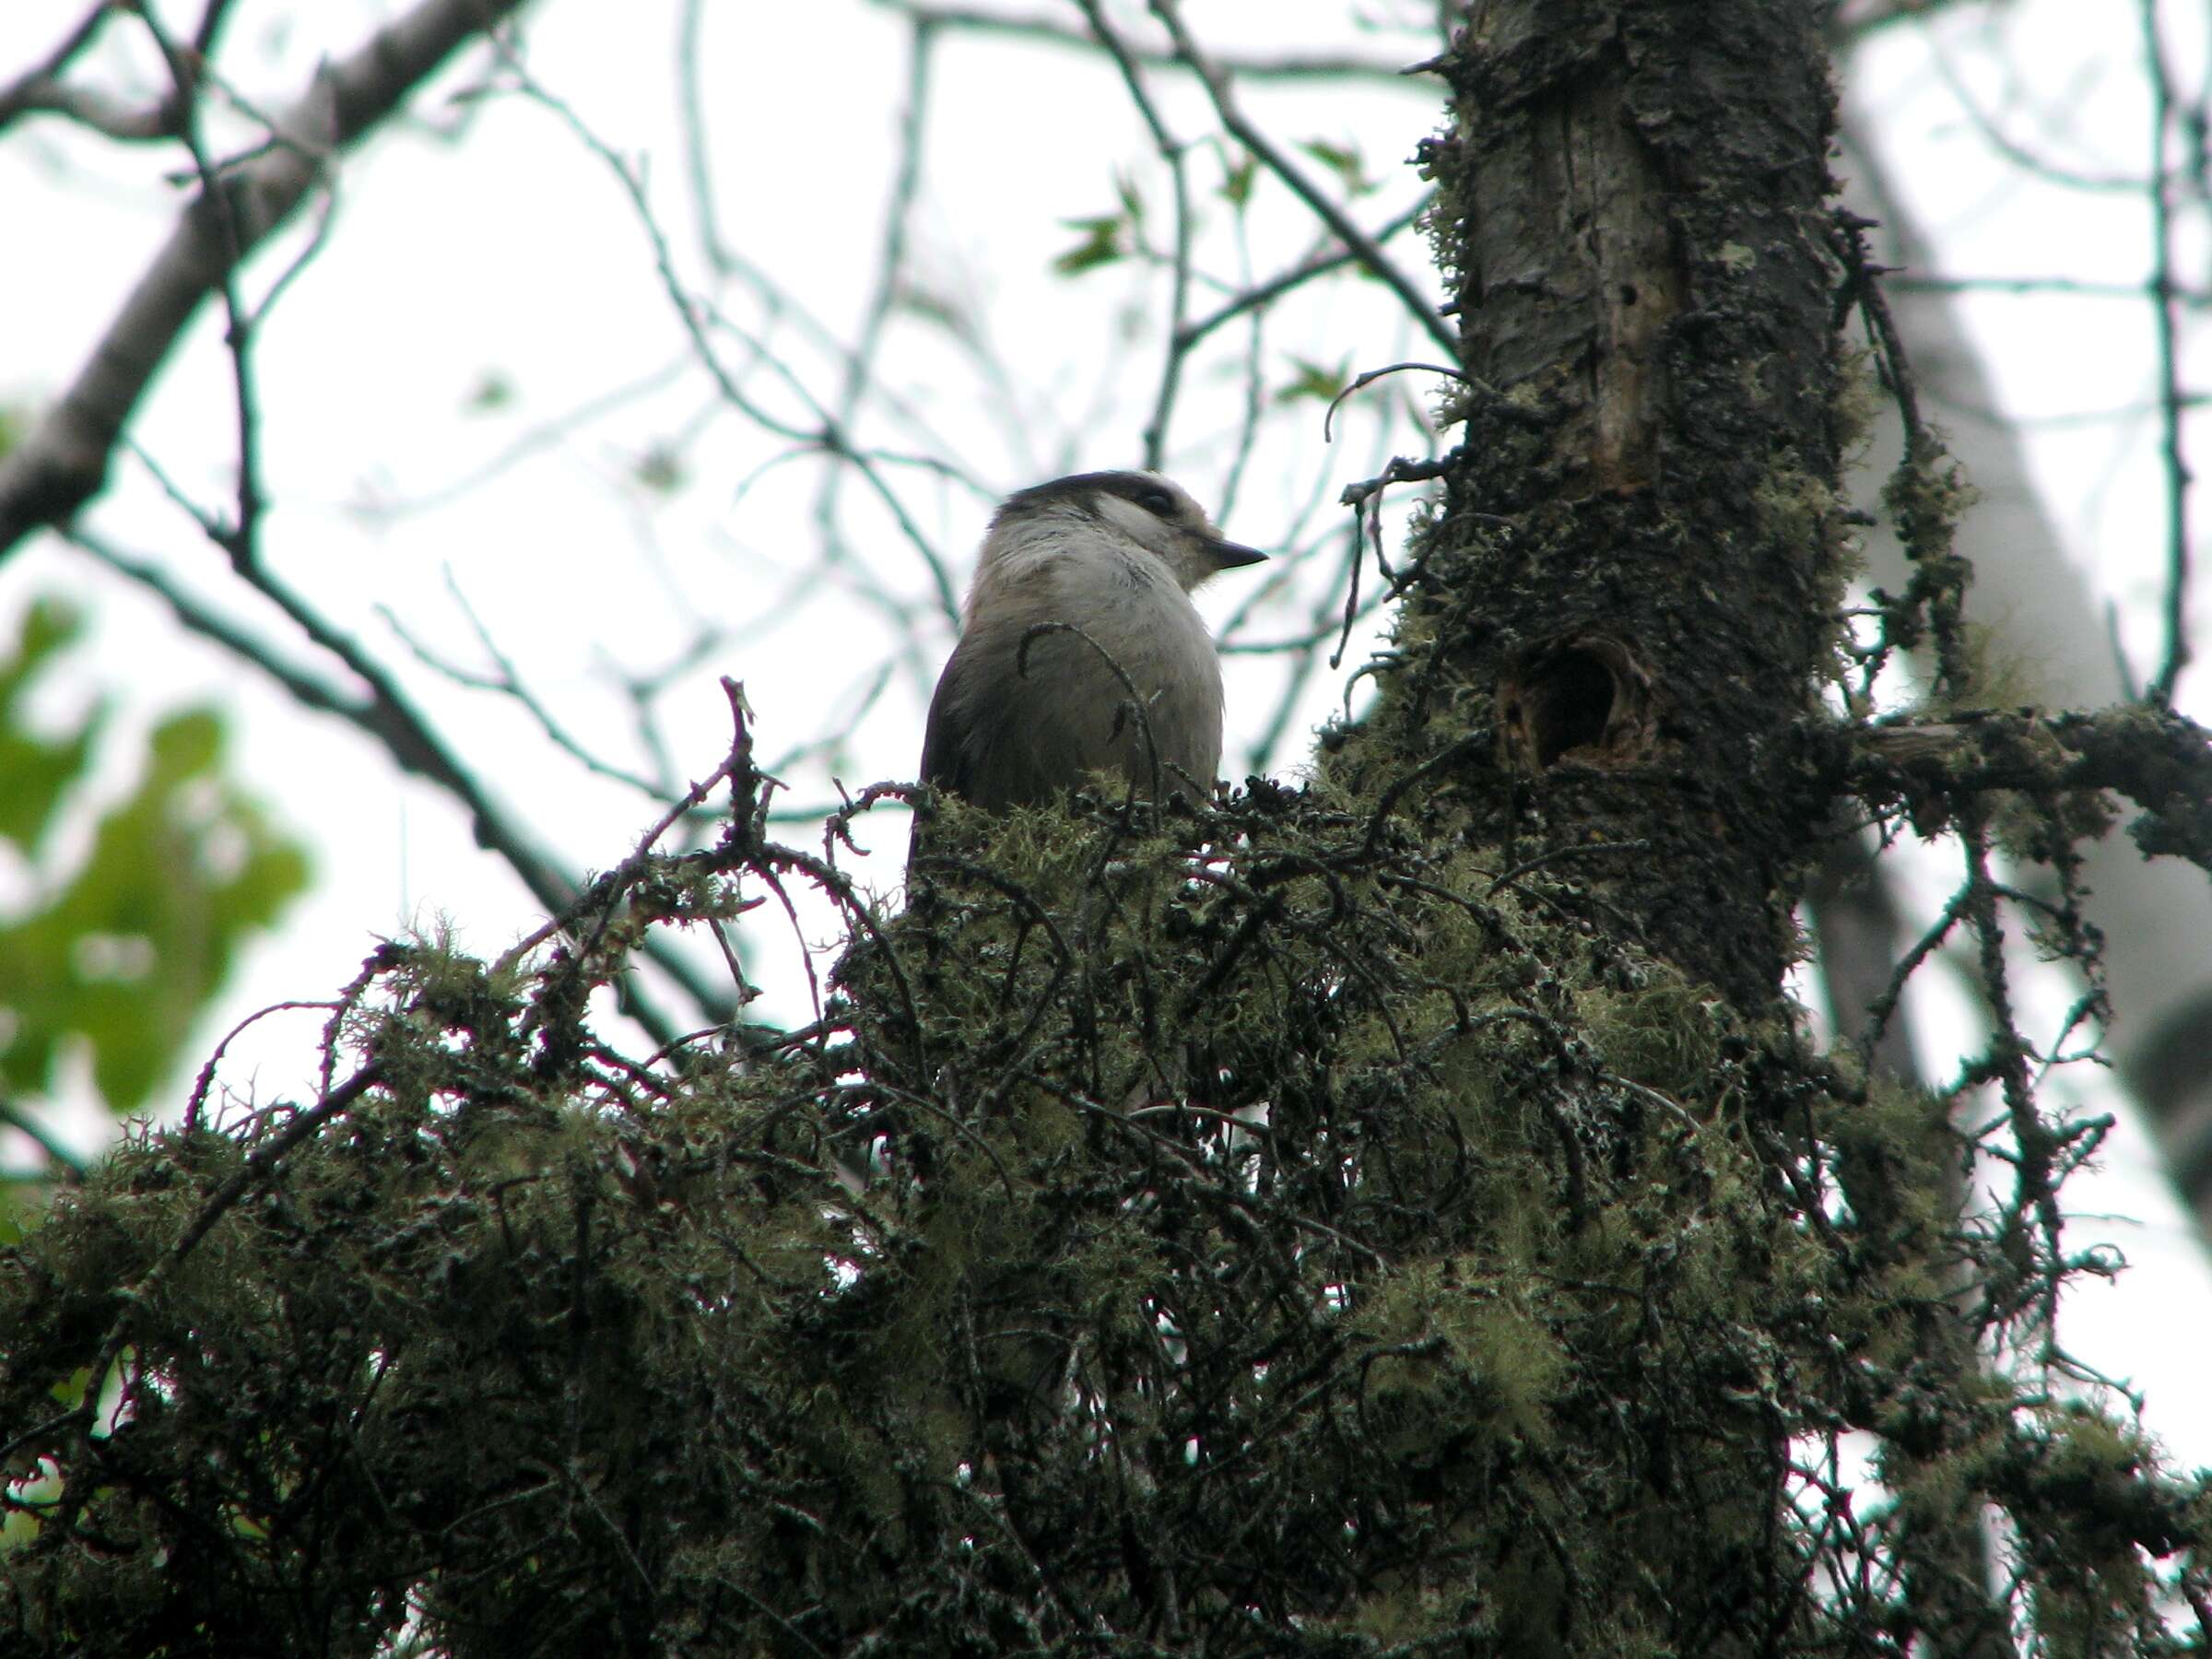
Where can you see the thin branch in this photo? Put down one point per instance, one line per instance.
(63, 461)
(1174, 152)
(383, 711)
(1372, 258)
(1930, 282)
(507, 681)
(1050, 31)
(39, 90)
(1274, 287)
(693, 312)
(860, 364)
(23, 1121)
(2170, 400)
(300, 684)
(240, 537)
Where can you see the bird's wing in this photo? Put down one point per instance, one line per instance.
(948, 756)
(995, 735)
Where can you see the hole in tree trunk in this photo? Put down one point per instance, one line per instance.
(1588, 698)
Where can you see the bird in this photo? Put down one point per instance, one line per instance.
(1080, 652)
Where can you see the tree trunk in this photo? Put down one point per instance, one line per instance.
(1615, 627)
(1396, 1216)
(1636, 565)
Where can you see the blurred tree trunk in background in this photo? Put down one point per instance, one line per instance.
(2050, 622)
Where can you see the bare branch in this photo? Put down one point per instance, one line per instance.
(382, 710)
(694, 312)
(42, 92)
(2170, 397)
(1297, 275)
(860, 365)
(1171, 151)
(506, 680)
(1050, 31)
(63, 460)
(1372, 258)
(59, 1157)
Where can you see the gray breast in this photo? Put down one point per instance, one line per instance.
(1001, 737)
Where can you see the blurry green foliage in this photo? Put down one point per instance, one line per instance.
(1345, 161)
(121, 942)
(494, 391)
(1318, 381)
(1131, 199)
(1102, 244)
(1239, 176)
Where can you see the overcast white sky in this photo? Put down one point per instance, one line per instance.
(509, 256)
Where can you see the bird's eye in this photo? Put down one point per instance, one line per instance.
(1157, 501)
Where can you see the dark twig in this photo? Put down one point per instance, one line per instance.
(1371, 376)
(63, 461)
(2176, 655)
(1370, 256)
(1174, 152)
(13, 1116)
(40, 89)
(1264, 294)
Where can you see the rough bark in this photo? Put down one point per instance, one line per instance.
(1627, 592)
(1636, 557)
(1393, 1216)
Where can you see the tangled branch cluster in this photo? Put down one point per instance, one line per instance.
(1235, 1231)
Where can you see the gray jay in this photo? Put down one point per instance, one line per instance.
(1080, 651)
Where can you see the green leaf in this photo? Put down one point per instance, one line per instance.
(660, 469)
(494, 391)
(1316, 380)
(1344, 160)
(1238, 178)
(35, 770)
(1133, 205)
(1102, 244)
(183, 746)
(126, 951)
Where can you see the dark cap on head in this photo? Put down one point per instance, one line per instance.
(1155, 495)
(1168, 503)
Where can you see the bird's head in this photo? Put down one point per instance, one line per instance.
(1142, 509)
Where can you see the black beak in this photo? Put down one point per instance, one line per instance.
(1229, 555)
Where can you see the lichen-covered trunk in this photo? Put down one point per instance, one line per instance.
(1615, 626)
(1630, 586)
(1384, 1216)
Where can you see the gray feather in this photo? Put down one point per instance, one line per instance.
(1134, 699)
